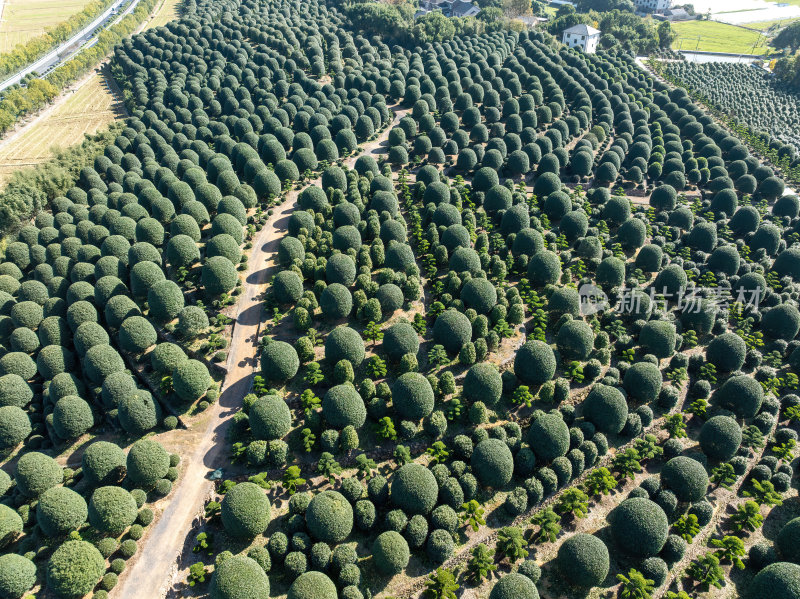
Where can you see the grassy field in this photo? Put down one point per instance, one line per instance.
(712, 36)
(86, 110)
(767, 25)
(24, 19)
(165, 12)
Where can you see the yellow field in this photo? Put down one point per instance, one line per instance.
(86, 110)
(24, 19)
(165, 12)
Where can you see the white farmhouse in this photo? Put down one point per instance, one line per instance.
(582, 36)
(652, 6)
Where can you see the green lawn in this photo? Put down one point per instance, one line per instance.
(766, 25)
(712, 36)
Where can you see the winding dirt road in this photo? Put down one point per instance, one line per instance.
(152, 575)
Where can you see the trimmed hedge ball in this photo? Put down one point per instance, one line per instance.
(720, 438)
(643, 381)
(138, 412)
(329, 517)
(72, 417)
(15, 426)
(781, 322)
(492, 463)
(639, 527)
(218, 276)
(147, 462)
(74, 569)
(548, 437)
(10, 525)
(583, 560)
(270, 418)
(535, 363)
(14, 391)
(36, 472)
(17, 575)
(398, 340)
(727, 352)
(780, 580)
(685, 477)
(239, 577)
(344, 343)
(606, 408)
(112, 510)
(246, 511)
(340, 269)
(312, 585)
(414, 489)
(336, 301)
(412, 396)
(575, 340)
(279, 362)
(741, 394)
(482, 383)
(165, 300)
(190, 380)
(390, 553)
(788, 541)
(60, 510)
(137, 334)
(343, 406)
(452, 330)
(191, 322)
(166, 357)
(544, 269)
(514, 586)
(103, 463)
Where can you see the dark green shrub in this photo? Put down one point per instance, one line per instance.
(414, 489)
(88, 335)
(218, 276)
(390, 553)
(780, 322)
(279, 362)
(605, 407)
(492, 463)
(72, 417)
(101, 361)
(18, 363)
(658, 338)
(245, 511)
(312, 585)
(343, 406)
(720, 438)
(344, 343)
(780, 580)
(191, 380)
(642, 381)
(412, 396)
(479, 294)
(544, 268)
(664, 197)
(336, 301)
(192, 321)
(103, 463)
(583, 560)
(14, 391)
(147, 462)
(165, 300)
(548, 437)
(17, 575)
(112, 510)
(639, 527)
(727, 352)
(742, 395)
(452, 330)
(270, 418)
(166, 357)
(15, 426)
(182, 250)
(398, 340)
(787, 541)
(74, 569)
(535, 363)
(482, 383)
(287, 287)
(329, 517)
(60, 510)
(239, 577)
(116, 311)
(575, 340)
(440, 546)
(35, 473)
(138, 413)
(686, 478)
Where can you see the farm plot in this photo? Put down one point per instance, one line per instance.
(84, 111)
(25, 19)
(481, 366)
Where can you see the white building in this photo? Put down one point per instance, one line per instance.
(653, 6)
(582, 36)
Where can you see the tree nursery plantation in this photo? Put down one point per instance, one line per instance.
(446, 312)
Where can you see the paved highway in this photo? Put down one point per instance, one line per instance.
(72, 46)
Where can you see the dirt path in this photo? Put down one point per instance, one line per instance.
(152, 574)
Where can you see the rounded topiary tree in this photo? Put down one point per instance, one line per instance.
(245, 511)
(166, 357)
(343, 406)
(726, 352)
(398, 340)
(390, 553)
(147, 462)
(190, 380)
(191, 322)
(412, 396)
(639, 527)
(583, 560)
(452, 330)
(482, 383)
(720, 438)
(548, 437)
(657, 337)
(17, 575)
(544, 269)
(15, 426)
(535, 363)
(103, 463)
(36, 472)
(479, 294)
(279, 361)
(74, 569)
(685, 477)
(14, 391)
(218, 276)
(270, 418)
(514, 586)
(492, 463)
(414, 489)
(72, 417)
(606, 408)
(344, 343)
(10, 525)
(788, 541)
(138, 412)
(575, 340)
(165, 300)
(137, 334)
(741, 394)
(336, 301)
(239, 577)
(112, 510)
(780, 580)
(312, 585)
(642, 381)
(781, 322)
(329, 517)
(60, 511)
